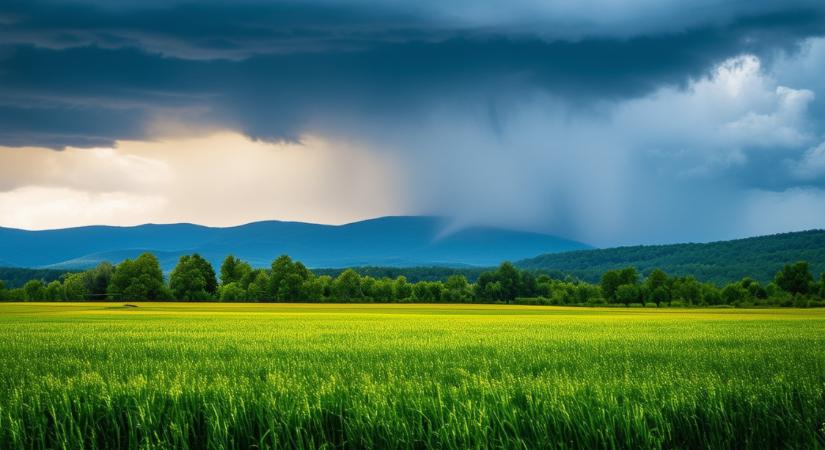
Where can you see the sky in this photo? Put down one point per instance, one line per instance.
(614, 123)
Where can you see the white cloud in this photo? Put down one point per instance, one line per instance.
(94, 170)
(219, 179)
(37, 207)
(718, 120)
(782, 127)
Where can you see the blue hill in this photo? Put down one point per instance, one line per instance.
(386, 241)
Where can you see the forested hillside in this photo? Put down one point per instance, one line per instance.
(15, 277)
(718, 262)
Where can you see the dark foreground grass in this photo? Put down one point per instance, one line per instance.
(408, 376)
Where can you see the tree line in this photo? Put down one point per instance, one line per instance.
(194, 279)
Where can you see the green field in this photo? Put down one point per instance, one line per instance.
(411, 376)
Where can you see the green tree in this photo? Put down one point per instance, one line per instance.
(382, 290)
(613, 279)
(313, 289)
(281, 268)
(656, 278)
(54, 292)
(528, 284)
(428, 291)
(733, 293)
(422, 293)
(482, 288)
(208, 272)
(34, 290)
(298, 281)
(610, 282)
(74, 288)
(754, 288)
(292, 288)
(711, 295)
(660, 295)
(657, 287)
(457, 289)
(347, 286)
(508, 276)
(324, 283)
(628, 293)
(544, 286)
(368, 288)
(17, 294)
(436, 289)
(258, 289)
(493, 291)
(402, 291)
(287, 278)
(795, 278)
(97, 280)
(688, 290)
(232, 292)
(193, 279)
(629, 275)
(589, 293)
(233, 270)
(3, 292)
(822, 285)
(138, 279)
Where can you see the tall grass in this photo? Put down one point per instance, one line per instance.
(214, 376)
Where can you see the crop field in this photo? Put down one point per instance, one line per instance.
(160, 375)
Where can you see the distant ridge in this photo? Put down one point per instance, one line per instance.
(387, 241)
(720, 262)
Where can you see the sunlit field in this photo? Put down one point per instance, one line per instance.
(98, 375)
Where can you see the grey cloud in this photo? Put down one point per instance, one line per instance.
(281, 95)
(537, 100)
(239, 29)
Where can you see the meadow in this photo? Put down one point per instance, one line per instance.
(176, 375)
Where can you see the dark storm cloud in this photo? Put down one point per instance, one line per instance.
(208, 30)
(241, 28)
(610, 122)
(274, 70)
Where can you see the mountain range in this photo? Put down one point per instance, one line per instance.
(388, 241)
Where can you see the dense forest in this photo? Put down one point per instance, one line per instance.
(16, 277)
(717, 262)
(194, 279)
